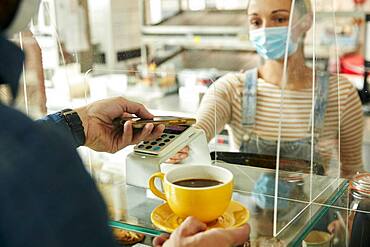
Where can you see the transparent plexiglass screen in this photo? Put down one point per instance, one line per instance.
(280, 109)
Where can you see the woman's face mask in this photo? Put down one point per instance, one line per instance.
(270, 42)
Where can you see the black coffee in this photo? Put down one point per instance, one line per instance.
(197, 183)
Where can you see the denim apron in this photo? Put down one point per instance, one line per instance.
(299, 149)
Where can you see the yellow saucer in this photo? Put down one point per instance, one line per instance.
(166, 220)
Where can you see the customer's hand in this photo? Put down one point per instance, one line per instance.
(193, 233)
(179, 156)
(334, 226)
(102, 135)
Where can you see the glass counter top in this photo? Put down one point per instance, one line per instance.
(295, 217)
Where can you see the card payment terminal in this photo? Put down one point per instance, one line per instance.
(172, 136)
(149, 157)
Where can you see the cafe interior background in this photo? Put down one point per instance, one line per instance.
(166, 54)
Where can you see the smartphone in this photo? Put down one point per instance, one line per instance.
(139, 123)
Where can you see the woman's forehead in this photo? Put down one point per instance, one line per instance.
(268, 6)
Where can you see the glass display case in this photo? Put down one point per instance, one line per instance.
(303, 216)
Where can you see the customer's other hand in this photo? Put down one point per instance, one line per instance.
(102, 135)
(194, 233)
(179, 156)
(334, 226)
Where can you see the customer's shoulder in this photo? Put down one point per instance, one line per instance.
(19, 130)
(25, 143)
(13, 121)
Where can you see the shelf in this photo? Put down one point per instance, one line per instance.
(222, 60)
(203, 42)
(217, 22)
(358, 14)
(208, 22)
(227, 43)
(324, 51)
(220, 30)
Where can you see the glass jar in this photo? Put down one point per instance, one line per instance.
(296, 182)
(359, 200)
(112, 186)
(359, 189)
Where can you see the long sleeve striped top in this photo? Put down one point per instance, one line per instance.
(222, 105)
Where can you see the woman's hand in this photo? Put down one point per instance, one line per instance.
(101, 135)
(180, 156)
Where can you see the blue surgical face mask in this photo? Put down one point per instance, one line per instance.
(270, 42)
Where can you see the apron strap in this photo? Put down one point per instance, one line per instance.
(321, 101)
(249, 102)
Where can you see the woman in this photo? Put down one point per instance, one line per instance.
(254, 118)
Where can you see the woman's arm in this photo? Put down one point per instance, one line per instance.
(215, 109)
(351, 131)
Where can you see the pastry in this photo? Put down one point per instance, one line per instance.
(127, 237)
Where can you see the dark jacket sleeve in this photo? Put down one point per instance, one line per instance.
(47, 197)
(55, 120)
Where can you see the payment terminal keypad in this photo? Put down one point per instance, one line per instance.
(156, 146)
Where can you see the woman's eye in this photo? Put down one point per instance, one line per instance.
(281, 20)
(255, 22)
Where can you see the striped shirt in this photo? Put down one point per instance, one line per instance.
(225, 97)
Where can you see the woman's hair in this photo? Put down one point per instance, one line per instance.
(303, 6)
(301, 9)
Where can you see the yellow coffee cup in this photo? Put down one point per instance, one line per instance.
(205, 203)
